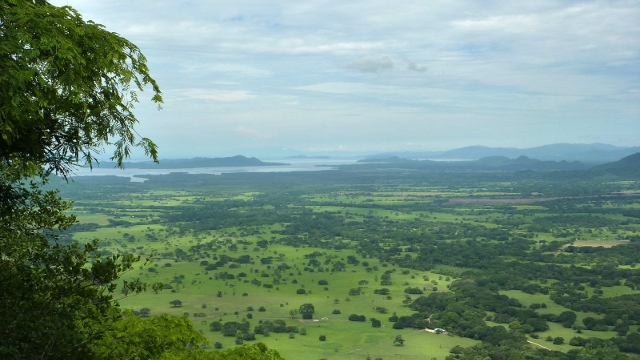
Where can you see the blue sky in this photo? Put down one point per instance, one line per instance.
(268, 78)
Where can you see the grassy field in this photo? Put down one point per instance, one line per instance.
(132, 224)
(198, 291)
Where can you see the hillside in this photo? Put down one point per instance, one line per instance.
(628, 166)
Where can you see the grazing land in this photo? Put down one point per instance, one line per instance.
(480, 258)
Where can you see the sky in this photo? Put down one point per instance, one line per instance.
(272, 78)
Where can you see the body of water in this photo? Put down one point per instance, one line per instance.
(137, 175)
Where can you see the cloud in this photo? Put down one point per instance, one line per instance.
(215, 95)
(371, 64)
(252, 132)
(414, 67)
(300, 65)
(239, 69)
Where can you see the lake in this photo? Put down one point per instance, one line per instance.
(137, 175)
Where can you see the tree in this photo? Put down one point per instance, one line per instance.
(131, 336)
(398, 341)
(67, 90)
(307, 309)
(293, 313)
(176, 303)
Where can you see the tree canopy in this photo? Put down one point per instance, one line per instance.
(67, 89)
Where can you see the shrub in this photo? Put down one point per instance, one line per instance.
(322, 338)
(413, 290)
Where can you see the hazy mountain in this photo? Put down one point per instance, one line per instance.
(234, 161)
(501, 163)
(628, 166)
(585, 153)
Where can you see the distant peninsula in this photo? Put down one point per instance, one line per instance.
(199, 162)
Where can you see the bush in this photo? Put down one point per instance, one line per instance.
(301, 291)
(322, 338)
(307, 316)
(413, 290)
(578, 341)
(335, 312)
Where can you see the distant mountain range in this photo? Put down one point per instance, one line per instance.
(627, 167)
(585, 153)
(501, 163)
(199, 162)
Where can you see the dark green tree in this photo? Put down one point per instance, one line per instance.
(67, 90)
(307, 309)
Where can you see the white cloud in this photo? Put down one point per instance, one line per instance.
(215, 95)
(324, 70)
(253, 132)
(228, 68)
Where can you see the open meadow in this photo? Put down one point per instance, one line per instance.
(377, 257)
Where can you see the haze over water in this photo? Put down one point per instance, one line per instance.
(137, 175)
